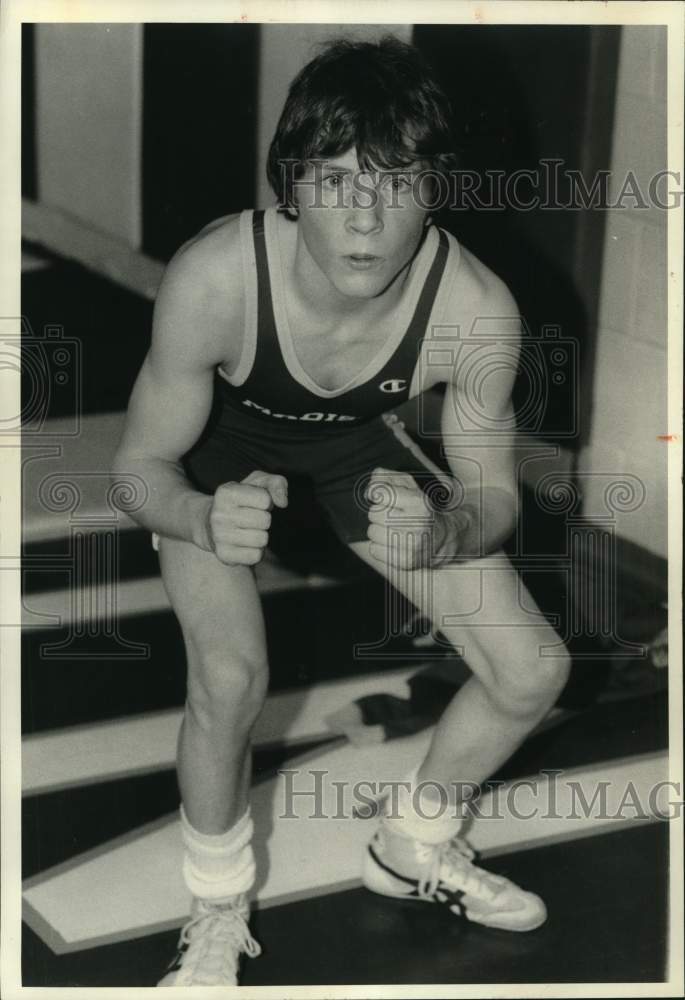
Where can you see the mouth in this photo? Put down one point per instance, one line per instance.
(363, 261)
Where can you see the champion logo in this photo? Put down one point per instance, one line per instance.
(393, 385)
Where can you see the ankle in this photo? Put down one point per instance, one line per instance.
(218, 866)
(418, 815)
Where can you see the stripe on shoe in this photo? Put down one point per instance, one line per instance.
(443, 894)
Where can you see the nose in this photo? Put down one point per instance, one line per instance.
(364, 215)
(364, 221)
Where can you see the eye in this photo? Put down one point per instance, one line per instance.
(397, 182)
(334, 180)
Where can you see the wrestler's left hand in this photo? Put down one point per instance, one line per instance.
(404, 531)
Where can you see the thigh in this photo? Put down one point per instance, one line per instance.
(218, 606)
(482, 607)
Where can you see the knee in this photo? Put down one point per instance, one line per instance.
(531, 688)
(226, 690)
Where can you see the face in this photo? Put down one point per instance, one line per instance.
(357, 230)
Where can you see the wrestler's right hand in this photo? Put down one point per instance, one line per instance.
(239, 519)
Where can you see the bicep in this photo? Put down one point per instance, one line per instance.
(478, 422)
(172, 396)
(168, 410)
(479, 449)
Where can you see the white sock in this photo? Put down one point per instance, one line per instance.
(421, 813)
(217, 866)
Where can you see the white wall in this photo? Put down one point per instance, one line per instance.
(630, 374)
(284, 50)
(88, 124)
(89, 80)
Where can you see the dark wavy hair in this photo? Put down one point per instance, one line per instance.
(380, 98)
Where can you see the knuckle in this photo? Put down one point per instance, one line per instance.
(225, 492)
(259, 497)
(214, 520)
(225, 554)
(376, 533)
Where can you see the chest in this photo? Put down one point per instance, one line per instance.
(332, 359)
(329, 344)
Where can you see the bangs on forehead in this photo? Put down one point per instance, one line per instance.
(378, 144)
(378, 99)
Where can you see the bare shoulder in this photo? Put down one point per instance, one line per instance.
(479, 310)
(478, 291)
(200, 303)
(211, 261)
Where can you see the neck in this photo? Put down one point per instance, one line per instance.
(317, 293)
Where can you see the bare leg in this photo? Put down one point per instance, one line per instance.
(219, 611)
(513, 685)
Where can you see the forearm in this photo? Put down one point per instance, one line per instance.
(480, 524)
(172, 506)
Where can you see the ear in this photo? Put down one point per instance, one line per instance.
(289, 205)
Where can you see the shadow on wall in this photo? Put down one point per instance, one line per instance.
(522, 95)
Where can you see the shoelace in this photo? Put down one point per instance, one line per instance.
(456, 855)
(207, 936)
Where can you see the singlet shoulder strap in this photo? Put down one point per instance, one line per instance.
(424, 306)
(263, 282)
(266, 323)
(258, 222)
(407, 352)
(268, 369)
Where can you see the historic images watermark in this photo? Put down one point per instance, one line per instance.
(550, 186)
(51, 369)
(81, 509)
(470, 432)
(553, 795)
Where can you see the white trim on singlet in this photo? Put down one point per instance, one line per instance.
(249, 346)
(377, 363)
(397, 426)
(439, 315)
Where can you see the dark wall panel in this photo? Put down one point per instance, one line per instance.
(199, 128)
(522, 94)
(29, 180)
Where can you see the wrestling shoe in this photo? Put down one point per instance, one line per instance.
(211, 944)
(445, 873)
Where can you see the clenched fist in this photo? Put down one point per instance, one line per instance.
(404, 530)
(239, 520)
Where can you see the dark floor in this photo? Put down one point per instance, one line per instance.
(597, 930)
(606, 897)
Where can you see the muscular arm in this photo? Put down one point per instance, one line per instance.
(476, 354)
(478, 428)
(172, 396)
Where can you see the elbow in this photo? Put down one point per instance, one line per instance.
(509, 514)
(130, 487)
(123, 482)
(501, 517)
(121, 465)
(127, 471)
(507, 530)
